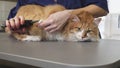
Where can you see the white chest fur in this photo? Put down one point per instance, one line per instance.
(77, 36)
(31, 38)
(55, 36)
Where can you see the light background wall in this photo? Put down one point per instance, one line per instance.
(114, 6)
(5, 6)
(109, 25)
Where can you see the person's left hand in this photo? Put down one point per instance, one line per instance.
(55, 21)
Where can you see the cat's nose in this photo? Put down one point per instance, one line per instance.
(84, 36)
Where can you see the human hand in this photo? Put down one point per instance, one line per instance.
(14, 24)
(55, 21)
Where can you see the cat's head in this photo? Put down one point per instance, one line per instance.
(83, 27)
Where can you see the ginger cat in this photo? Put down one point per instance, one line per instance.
(80, 27)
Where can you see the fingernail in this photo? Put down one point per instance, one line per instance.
(40, 21)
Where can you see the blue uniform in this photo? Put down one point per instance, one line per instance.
(69, 4)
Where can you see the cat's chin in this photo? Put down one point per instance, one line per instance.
(87, 40)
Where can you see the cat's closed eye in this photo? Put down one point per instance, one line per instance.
(78, 28)
(89, 30)
(75, 29)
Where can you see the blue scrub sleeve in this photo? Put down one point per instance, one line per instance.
(101, 3)
(13, 11)
(70, 4)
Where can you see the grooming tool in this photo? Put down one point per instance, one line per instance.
(28, 23)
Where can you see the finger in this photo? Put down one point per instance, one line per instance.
(7, 24)
(23, 30)
(18, 31)
(22, 20)
(50, 27)
(46, 23)
(12, 23)
(54, 30)
(38, 23)
(17, 22)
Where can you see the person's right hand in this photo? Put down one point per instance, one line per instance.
(14, 24)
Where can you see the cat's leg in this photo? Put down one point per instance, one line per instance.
(25, 37)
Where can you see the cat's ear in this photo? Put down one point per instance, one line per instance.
(97, 20)
(85, 17)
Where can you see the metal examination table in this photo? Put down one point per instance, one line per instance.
(101, 54)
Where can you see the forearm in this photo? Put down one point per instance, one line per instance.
(94, 10)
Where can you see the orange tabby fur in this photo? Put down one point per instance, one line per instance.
(81, 24)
